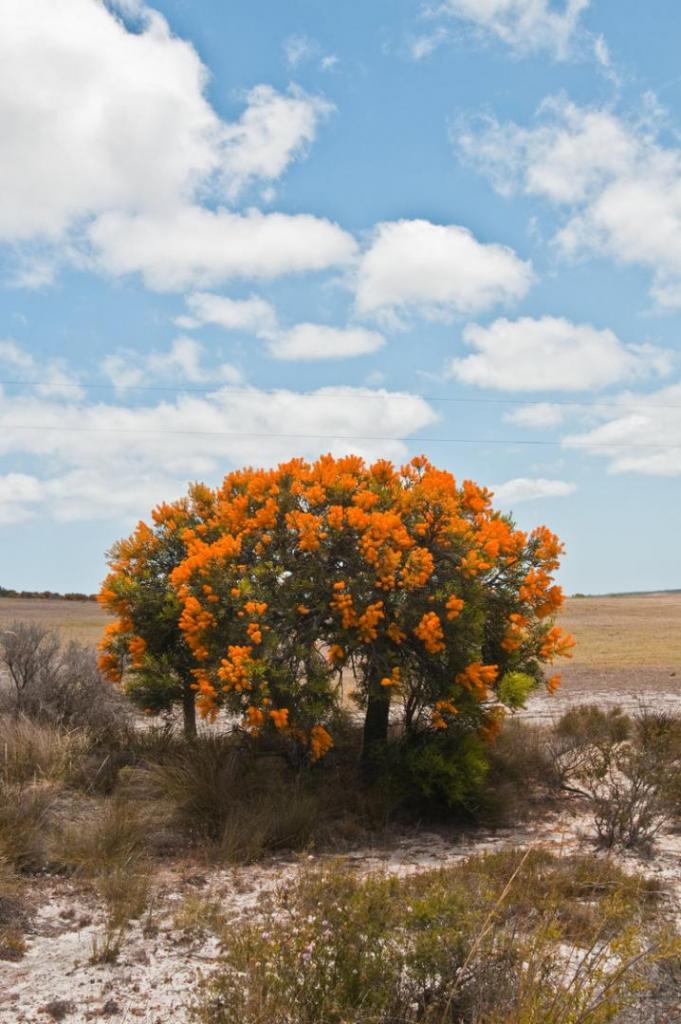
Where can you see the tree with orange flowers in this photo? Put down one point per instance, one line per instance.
(434, 603)
(145, 647)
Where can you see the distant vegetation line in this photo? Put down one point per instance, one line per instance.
(46, 595)
(630, 593)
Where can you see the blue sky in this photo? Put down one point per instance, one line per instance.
(234, 232)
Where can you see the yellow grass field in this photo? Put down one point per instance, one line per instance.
(642, 630)
(632, 642)
(74, 620)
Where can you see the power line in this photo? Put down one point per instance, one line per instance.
(47, 428)
(349, 393)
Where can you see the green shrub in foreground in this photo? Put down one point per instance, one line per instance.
(498, 939)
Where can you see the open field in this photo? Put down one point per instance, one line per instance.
(626, 632)
(635, 637)
(74, 620)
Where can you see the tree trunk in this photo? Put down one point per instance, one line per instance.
(189, 711)
(375, 739)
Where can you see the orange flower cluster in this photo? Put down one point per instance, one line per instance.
(367, 622)
(342, 604)
(137, 646)
(537, 591)
(478, 678)
(556, 644)
(418, 569)
(194, 621)
(335, 654)
(442, 708)
(429, 630)
(280, 717)
(320, 742)
(454, 607)
(553, 683)
(235, 670)
(393, 679)
(515, 634)
(307, 526)
(255, 719)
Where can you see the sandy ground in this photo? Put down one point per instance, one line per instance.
(155, 978)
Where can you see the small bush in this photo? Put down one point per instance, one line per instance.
(444, 772)
(628, 770)
(31, 751)
(522, 775)
(493, 940)
(25, 820)
(59, 683)
(244, 805)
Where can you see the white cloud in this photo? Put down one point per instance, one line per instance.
(107, 128)
(641, 434)
(304, 341)
(619, 186)
(524, 25)
(51, 376)
(93, 116)
(183, 362)
(299, 48)
(541, 414)
(551, 354)
(272, 131)
(193, 246)
(252, 314)
(318, 341)
(530, 489)
(422, 46)
(106, 459)
(11, 354)
(413, 266)
(18, 494)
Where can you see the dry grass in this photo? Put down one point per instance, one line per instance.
(73, 620)
(642, 630)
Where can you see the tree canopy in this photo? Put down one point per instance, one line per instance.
(262, 595)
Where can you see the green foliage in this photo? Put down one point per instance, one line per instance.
(488, 941)
(515, 688)
(443, 772)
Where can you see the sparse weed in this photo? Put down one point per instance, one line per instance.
(25, 819)
(197, 916)
(14, 914)
(32, 751)
(492, 940)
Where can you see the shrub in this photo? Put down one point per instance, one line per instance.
(493, 940)
(627, 770)
(25, 819)
(442, 773)
(32, 750)
(244, 804)
(59, 683)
